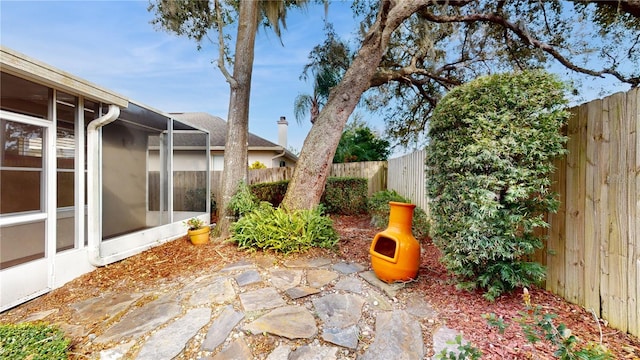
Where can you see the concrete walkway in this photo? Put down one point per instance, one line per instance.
(314, 309)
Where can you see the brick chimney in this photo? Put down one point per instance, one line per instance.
(282, 131)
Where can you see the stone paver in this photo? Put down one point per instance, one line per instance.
(347, 267)
(142, 320)
(220, 313)
(280, 353)
(218, 291)
(103, 308)
(285, 279)
(398, 336)
(169, 341)
(221, 327)
(320, 278)
(314, 352)
(339, 310)
(292, 322)
(301, 291)
(346, 337)
(237, 350)
(261, 299)
(350, 284)
(248, 277)
(389, 289)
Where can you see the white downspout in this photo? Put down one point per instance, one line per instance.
(94, 183)
(284, 152)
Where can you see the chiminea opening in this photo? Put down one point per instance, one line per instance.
(385, 246)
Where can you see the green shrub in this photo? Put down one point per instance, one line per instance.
(257, 165)
(283, 231)
(378, 205)
(243, 201)
(492, 142)
(35, 341)
(272, 192)
(345, 196)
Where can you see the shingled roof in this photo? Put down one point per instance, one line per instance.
(218, 130)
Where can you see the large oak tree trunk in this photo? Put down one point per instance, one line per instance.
(316, 156)
(235, 154)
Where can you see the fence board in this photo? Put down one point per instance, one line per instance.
(602, 225)
(595, 177)
(633, 262)
(593, 246)
(615, 300)
(407, 178)
(374, 171)
(574, 272)
(556, 243)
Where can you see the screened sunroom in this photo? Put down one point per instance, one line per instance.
(76, 186)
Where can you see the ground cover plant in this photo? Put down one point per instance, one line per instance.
(492, 142)
(33, 341)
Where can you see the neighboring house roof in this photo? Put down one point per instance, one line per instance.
(217, 128)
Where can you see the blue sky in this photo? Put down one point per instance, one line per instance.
(113, 44)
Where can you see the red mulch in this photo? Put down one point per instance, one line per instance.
(463, 310)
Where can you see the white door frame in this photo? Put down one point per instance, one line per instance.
(33, 278)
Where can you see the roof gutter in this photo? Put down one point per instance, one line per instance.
(94, 184)
(284, 152)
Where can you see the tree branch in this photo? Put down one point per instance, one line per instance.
(221, 52)
(521, 31)
(631, 7)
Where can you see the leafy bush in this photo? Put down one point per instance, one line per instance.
(257, 165)
(272, 192)
(492, 142)
(346, 196)
(35, 341)
(283, 231)
(378, 205)
(243, 201)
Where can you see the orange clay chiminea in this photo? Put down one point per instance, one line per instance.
(395, 253)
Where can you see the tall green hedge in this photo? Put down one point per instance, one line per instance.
(492, 142)
(342, 195)
(345, 195)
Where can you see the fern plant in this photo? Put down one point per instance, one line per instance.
(283, 231)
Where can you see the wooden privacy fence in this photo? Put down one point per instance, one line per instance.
(407, 178)
(374, 171)
(593, 250)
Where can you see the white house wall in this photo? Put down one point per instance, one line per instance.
(185, 160)
(37, 269)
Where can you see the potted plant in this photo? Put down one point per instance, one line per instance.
(197, 230)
